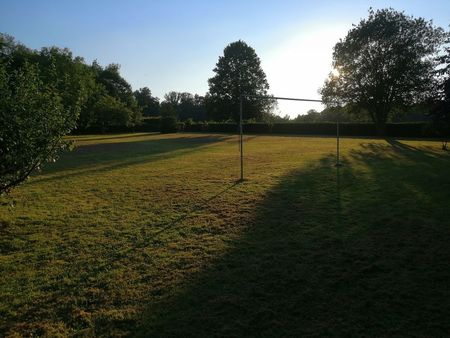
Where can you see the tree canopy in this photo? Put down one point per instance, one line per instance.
(238, 72)
(384, 63)
(41, 96)
(33, 121)
(82, 88)
(46, 94)
(148, 103)
(184, 106)
(440, 104)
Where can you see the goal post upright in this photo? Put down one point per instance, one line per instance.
(338, 163)
(241, 144)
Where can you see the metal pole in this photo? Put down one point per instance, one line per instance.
(241, 138)
(281, 98)
(337, 141)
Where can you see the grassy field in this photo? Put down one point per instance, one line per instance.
(150, 235)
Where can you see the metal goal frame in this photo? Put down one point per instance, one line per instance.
(266, 97)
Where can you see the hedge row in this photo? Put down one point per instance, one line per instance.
(147, 125)
(346, 129)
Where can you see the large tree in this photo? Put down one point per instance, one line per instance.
(238, 72)
(118, 105)
(33, 121)
(184, 106)
(440, 104)
(384, 63)
(41, 96)
(68, 75)
(74, 80)
(148, 103)
(116, 86)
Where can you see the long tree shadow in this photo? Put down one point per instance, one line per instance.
(120, 136)
(91, 159)
(169, 225)
(359, 252)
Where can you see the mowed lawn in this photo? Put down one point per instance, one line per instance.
(150, 235)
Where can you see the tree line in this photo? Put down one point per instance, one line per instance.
(388, 65)
(99, 97)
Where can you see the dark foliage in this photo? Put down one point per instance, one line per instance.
(440, 103)
(169, 125)
(385, 62)
(185, 106)
(146, 102)
(110, 112)
(346, 129)
(33, 121)
(238, 72)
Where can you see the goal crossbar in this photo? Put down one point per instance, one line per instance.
(266, 97)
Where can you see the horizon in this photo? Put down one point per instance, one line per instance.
(175, 46)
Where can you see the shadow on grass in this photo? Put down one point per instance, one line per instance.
(360, 250)
(97, 158)
(163, 227)
(86, 138)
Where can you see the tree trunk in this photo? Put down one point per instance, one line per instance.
(380, 117)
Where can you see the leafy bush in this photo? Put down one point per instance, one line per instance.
(169, 124)
(346, 129)
(258, 128)
(194, 127)
(222, 127)
(33, 121)
(149, 125)
(110, 113)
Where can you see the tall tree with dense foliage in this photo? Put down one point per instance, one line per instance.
(33, 121)
(115, 85)
(68, 75)
(44, 95)
(185, 105)
(440, 104)
(74, 80)
(115, 104)
(41, 96)
(148, 103)
(238, 72)
(384, 63)
(13, 51)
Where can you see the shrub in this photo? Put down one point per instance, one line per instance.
(169, 125)
(222, 127)
(33, 121)
(189, 122)
(111, 114)
(149, 125)
(317, 128)
(194, 127)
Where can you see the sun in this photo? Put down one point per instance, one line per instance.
(335, 72)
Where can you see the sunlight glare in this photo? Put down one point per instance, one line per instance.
(298, 67)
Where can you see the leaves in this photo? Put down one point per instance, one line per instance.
(148, 103)
(238, 72)
(33, 121)
(385, 62)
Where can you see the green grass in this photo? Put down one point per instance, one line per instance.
(150, 235)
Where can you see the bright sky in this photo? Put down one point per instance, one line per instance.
(174, 45)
